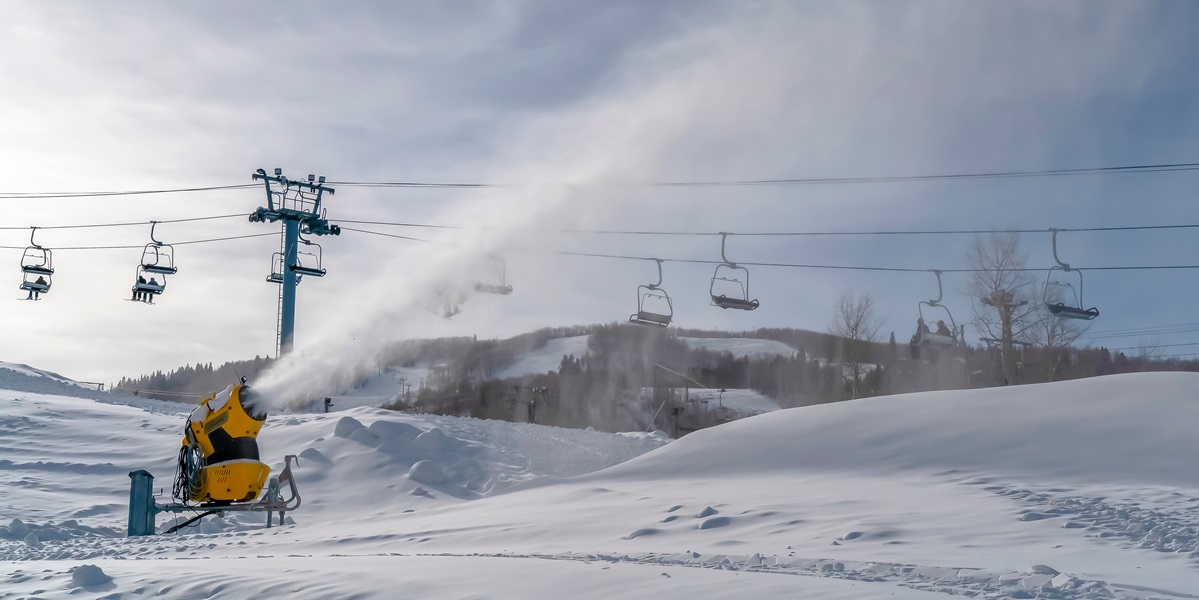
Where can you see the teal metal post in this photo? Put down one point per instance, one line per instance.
(141, 503)
(287, 321)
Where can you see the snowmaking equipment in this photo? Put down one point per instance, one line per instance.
(219, 469)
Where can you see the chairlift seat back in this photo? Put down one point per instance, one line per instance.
(936, 339)
(649, 318)
(1064, 311)
(488, 288)
(35, 286)
(148, 288)
(37, 269)
(160, 269)
(725, 302)
(302, 270)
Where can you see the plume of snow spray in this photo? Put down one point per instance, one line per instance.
(638, 135)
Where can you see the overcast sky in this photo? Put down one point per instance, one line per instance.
(139, 95)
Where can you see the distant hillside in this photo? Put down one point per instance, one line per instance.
(593, 375)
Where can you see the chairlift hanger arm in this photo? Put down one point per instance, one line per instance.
(153, 225)
(940, 289)
(1064, 266)
(724, 236)
(654, 286)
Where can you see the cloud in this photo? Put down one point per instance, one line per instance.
(148, 95)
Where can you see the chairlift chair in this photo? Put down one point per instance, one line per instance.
(656, 297)
(147, 289)
(1052, 293)
(495, 280)
(37, 260)
(308, 262)
(728, 274)
(276, 275)
(930, 338)
(158, 258)
(29, 282)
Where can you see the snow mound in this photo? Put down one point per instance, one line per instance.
(88, 575)
(1118, 427)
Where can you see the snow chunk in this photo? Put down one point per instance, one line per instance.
(88, 575)
(427, 472)
(315, 456)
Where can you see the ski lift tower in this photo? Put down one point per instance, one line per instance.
(298, 205)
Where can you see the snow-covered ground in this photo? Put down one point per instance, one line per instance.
(1081, 489)
(741, 347)
(740, 402)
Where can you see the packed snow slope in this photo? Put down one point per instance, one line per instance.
(1080, 489)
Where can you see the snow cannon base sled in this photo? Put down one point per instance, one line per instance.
(219, 468)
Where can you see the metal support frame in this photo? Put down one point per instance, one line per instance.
(299, 207)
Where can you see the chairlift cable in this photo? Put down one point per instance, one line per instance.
(99, 194)
(773, 233)
(140, 246)
(773, 264)
(1151, 168)
(126, 224)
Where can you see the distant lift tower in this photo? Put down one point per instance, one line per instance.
(298, 205)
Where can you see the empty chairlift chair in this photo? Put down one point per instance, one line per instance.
(931, 337)
(654, 306)
(308, 260)
(276, 275)
(729, 277)
(158, 258)
(37, 267)
(494, 277)
(1060, 297)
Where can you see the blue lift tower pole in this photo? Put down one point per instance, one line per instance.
(298, 205)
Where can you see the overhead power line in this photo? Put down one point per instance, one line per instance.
(1114, 170)
(1151, 168)
(1150, 330)
(774, 264)
(1151, 346)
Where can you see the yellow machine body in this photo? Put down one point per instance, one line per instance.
(223, 430)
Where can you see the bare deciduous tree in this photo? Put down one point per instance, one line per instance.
(855, 321)
(1000, 292)
(1149, 349)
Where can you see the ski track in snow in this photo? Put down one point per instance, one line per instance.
(1169, 525)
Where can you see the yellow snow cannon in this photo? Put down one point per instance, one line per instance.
(219, 463)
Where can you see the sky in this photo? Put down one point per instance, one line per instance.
(136, 95)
